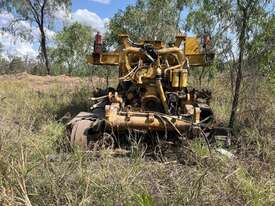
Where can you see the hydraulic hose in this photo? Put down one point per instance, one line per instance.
(161, 91)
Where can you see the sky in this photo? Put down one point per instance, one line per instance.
(94, 13)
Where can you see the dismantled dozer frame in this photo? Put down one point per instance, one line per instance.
(153, 96)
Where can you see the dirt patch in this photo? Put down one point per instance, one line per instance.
(44, 83)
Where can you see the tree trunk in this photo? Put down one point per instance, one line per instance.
(70, 71)
(201, 76)
(232, 78)
(107, 77)
(44, 50)
(178, 21)
(239, 77)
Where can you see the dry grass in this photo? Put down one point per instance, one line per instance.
(34, 171)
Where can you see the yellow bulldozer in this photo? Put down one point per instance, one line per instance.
(153, 98)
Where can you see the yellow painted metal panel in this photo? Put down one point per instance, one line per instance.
(196, 60)
(103, 59)
(192, 46)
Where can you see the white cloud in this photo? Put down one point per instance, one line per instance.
(13, 44)
(84, 17)
(36, 34)
(62, 14)
(90, 19)
(6, 20)
(102, 1)
(16, 46)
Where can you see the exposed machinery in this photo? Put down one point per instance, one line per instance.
(152, 97)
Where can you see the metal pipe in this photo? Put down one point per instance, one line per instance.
(138, 120)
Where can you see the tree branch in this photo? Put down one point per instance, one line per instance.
(42, 12)
(34, 12)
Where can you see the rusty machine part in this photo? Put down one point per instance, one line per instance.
(152, 96)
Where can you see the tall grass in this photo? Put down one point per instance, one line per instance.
(34, 171)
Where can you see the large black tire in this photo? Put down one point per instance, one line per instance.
(79, 135)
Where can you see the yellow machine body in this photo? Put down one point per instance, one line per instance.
(170, 63)
(152, 97)
(177, 58)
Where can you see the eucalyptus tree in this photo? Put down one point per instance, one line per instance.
(261, 50)
(1, 49)
(73, 43)
(180, 4)
(42, 13)
(232, 23)
(147, 19)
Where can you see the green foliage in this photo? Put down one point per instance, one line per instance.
(15, 65)
(41, 13)
(211, 17)
(261, 48)
(199, 148)
(252, 190)
(144, 199)
(1, 49)
(147, 19)
(231, 24)
(72, 46)
(223, 21)
(205, 17)
(29, 9)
